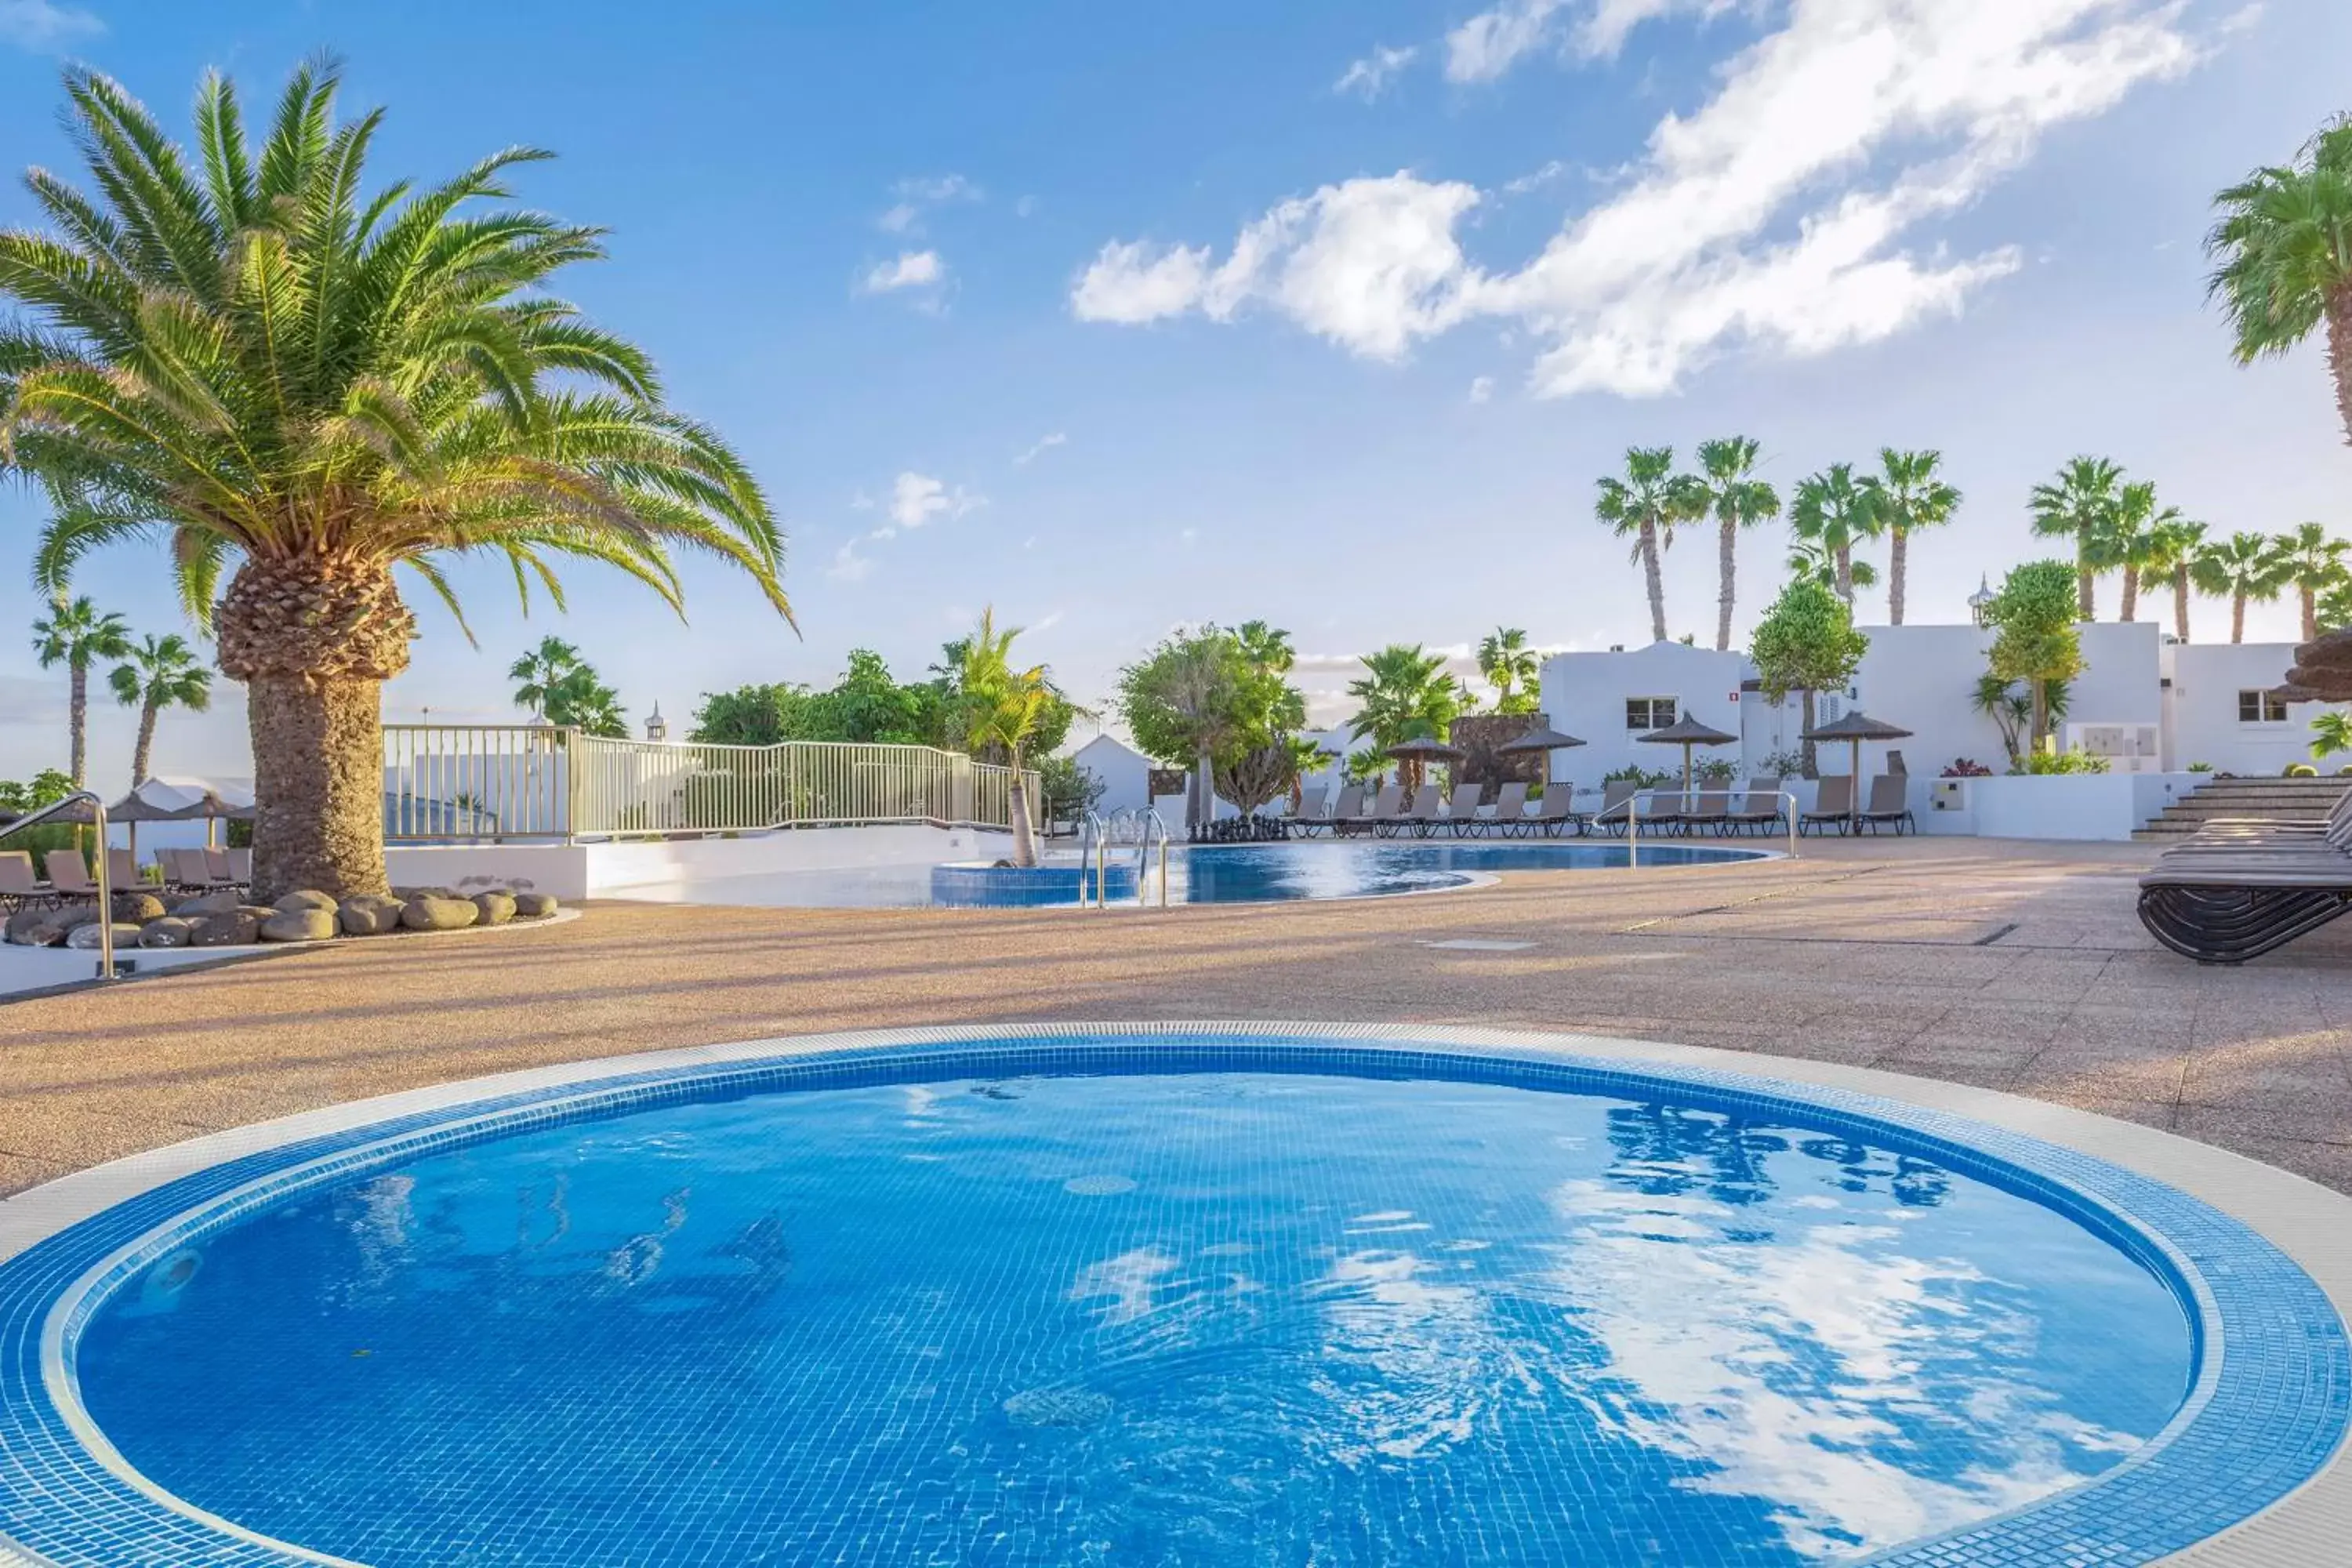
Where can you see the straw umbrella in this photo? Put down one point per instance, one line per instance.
(1423, 750)
(1687, 732)
(1854, 728)
(1544, 739)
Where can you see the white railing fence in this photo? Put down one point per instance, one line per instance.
(503, 782)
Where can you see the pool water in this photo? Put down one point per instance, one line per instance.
(1252, 873)
(1210, 1317)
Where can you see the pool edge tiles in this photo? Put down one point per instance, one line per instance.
(2267, 1417)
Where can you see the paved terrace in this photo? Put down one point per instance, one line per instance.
(2012, 966)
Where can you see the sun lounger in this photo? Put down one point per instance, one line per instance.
(1887, 806)
(217, 867)
(1462, 809)
(70, 874)
(1834, 804)
(1711, 811)
(240, 865)
(188, 870)
(1658, 812)
(2227, 909)
(1616, 798)
(1555, 814)
(1386, 808)
(1335, 814)
(1758, 810)
(1313, 811)
(1509, 814)
(1425, 816)
(18, 885)
(122, 871)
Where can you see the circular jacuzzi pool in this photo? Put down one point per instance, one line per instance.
(1202, 1298)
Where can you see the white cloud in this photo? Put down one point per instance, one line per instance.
(1370, 77)
(42, 24)
(1490, 43)
(915, 195)
(1781, 214)
(913, 270)
(848, 566)
(918, 499)
(899, 219)
(1058, 438)
(1482, 389)
(1534, 179)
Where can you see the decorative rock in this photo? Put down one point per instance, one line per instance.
(138, 909)
(73, 917)
(430, 914)
(300, 925)
(86, 936)
(234, 927)
(219, 903)
(496, 909)
(534, 906)
(168, 931)
(35, 928)
(305, 901)
(369, 914)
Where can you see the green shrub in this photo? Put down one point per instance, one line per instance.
(2301, 770)
(2208, 767)
(2076, 761)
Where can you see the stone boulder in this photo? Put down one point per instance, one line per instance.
(35, 928)
(304, 900)
(238, 926)
(300, 925)
(369, 914)
(219, 903)
(534, 906)
(430, 914)
(168, 931)
(496, 909)
(87, 936)
(138, 909)
(409, 895)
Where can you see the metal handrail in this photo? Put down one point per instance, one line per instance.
(105, 879)
(1092, 829)
(1153, 823)
(1630, 807)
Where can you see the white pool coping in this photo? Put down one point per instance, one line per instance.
(2309, 1223)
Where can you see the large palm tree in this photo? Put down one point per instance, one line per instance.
(297, 384)
(1405, 694)
(2134, 539)
(2242, 568)
(2311, 562)
(2171, 556)
(162, 672)
(1001, 711)
(2283, 257)
(1645, 506)
(542, 670)
(1907, 495)
(76, 634)
(2079, 505)
(1730, 492)
(1511, 667)
(1833, 513)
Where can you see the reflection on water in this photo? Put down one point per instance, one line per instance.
(1217, 1320)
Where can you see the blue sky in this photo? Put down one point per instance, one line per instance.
(1330, 314)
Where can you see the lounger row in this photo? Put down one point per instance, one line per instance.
(68, 877)
(2244, 885)
(1885, 807)
(1431, 814)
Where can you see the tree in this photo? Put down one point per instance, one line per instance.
(2035, 640)
(1405, 694)
(1812, 561)
(751, 716)
(541, 670)
(162, 672)
(2171, 557)
(2335, 606)
(1806, 642)
(1509, 666)
(1906, 496)
(2310, 563)
(297, 385)
(1000, 712)
(76, 634)
(2241, 568)
(1832, 514)
(2080, 505)
(2330, 733)
(1645, 506)
(2282, 250)
(2132, 539)
(1181, 703)
(1730, 492)
(2009, 705)
(582, 700)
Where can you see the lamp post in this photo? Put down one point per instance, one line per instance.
(657, 727)
(1980, 602)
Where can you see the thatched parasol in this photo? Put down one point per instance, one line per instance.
(2323, 669)
(1544, 739)
(1687, 732)
(1854, 728)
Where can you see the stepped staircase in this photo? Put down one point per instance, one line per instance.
(2285, 800)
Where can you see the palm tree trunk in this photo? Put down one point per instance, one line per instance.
(140, 752)
(1204, 793)
(2339, 353)
(2041, 713)
(317, 786)
(1845, 574)
(77, 718)
(2086, 600)
(2236, 618)
(1898, 553)
(2131, 593)
(2310, 612)
(1813, 770)
(2181, 601)
(1727, 552)
(1655, 579)
(1024, 837)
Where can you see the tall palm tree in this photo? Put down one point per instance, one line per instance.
(2171, 556)
(162, 672)
(1907, 496)
(581, 701)
(2079, 505)
(1646, 505)
(2310, 563)
(2241, 568)
(2132, 539)
(1816, 563)
(541, 670)
(76, 634)
(2283, 257)
(298, 384)
(1405, 694)
(1511, 667)
(1730, 492)
(1833, 513)
(1002, 706)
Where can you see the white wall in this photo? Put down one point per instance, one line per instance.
(1923, 679)
(1585, 695)
(1125, 772)
(2203, 704)
(2105, 807)
(676, 869)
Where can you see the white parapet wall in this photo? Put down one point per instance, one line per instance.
(2104, 806)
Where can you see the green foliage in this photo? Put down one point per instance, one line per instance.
(1212, 693)
(1830, 516)
(1364, 766)
(2075, 761)
(2281, 248)
(49, 785)
(75, 634)
(2035, 640)
(2300, 771)
(1070, 790)
(866, 704)
(1405, 694)
(2200, 767)
(582, 700)
(1641, 777)
(1511, 667)
(162, 672)
(2330, 733)
(1806, 641)
(2080, 505)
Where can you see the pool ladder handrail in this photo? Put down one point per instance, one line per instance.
(1153, 826)
(1093, 830)
(1631, 810)
(106, 970)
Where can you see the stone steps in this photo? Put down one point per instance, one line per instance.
(2277, 799)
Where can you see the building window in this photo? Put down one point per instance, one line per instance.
(1646, 713)
(2261, 708)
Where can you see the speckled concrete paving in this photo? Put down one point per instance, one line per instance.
(2019, 967)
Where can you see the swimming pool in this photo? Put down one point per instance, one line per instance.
(1210, 1297)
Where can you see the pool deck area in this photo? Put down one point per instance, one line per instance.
(2012, 966)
